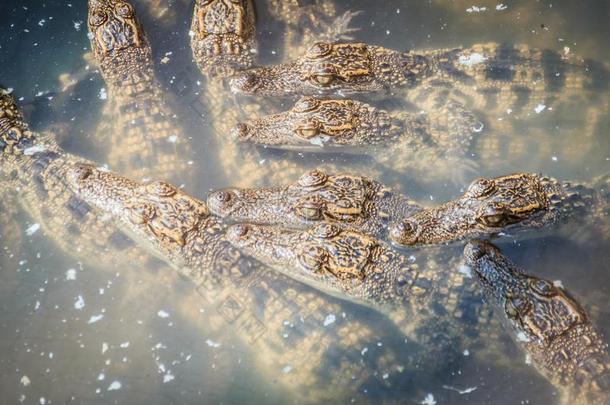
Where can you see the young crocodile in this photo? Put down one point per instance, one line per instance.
(549, 324)
(284, 320)
(361, 203)
(33, 169)
(143, 134)
(507, 203)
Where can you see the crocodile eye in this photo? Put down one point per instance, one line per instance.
(313, 178)
(318, 50)
(325, 231)
(495, 220)
(405, 232)
(309, 211)
(312, 258)
(308, 130)
(323, 79)
(306, 104)
(543, 287)
(13, 135)
(480, 188)
(124, 10)
(97, 18)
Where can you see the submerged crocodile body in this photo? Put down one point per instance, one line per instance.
(33, 169)
(264, 301)
(144, 136)
(361, 203)
(550, 326)
(507, 203)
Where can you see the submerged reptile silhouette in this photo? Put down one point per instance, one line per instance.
(550, 325)
(144, 136)
(182, 230)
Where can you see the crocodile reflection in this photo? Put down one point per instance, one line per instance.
(549, 324)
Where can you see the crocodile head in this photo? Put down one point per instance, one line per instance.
(489, 206)
(156, 211)
(15, 135)
(334, 67)
(536, 309)
(117, 39)
(317, 123)
(353, 200)
(333, 259)
(223, 35)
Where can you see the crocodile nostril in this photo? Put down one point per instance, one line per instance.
(240, 132)
(235, 232)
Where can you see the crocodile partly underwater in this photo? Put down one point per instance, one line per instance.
(266, 304)
(548, 323)
(142, 134)
(506, 87)
(507, 204)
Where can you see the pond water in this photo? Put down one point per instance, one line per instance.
(100, 327)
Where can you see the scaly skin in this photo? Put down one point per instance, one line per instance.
(411, 142)
(282, 319)
(507, 203)
(549, 324)
(361, 203)
(144, 137)
(33, 169)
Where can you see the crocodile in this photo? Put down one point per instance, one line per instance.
(359, 202)
(33, 171)
(550, 325)
(143, 134)
(511, 203)
(406, 142)
(262, 304)
(504, 86)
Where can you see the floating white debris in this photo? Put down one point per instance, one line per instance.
(385, 376)
(71, 274)
(429, 400)
(554, 158)
(168, 377)
(103, 95)
(475, 9)
(162, 314)
(95, 318)
(329, 319)
(164, 60)
(472, 59)
(43, 401)
(467, 390)
(287, 369)
(172, 138)
(466, 352)
(521, 337)
(104, 347)
(42, 22)
(211, 343)
(124, 345)
(79, 303)
(34, 149)
(465, 270)
(528, 359)
(558, 283)
(479, 127)
(25, 381)
(101, 377)
(32, 229)
(501, 7)
(539, 108)
(566, 50)
(363, 351)
(115, 385)
(77, 25)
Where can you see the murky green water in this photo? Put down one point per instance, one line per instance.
(80, 330)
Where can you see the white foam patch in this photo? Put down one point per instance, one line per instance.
(115, 385)
(34, 149)
(428, 400)
(539, 108)
(521, 337)
(71, 274)
(213, 344)
(95, 318)
(103, 95)
(162, 314)
(25, 381)
(79, 303)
